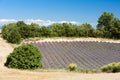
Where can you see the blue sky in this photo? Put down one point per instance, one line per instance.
(48, 11)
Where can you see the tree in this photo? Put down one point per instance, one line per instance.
(105, 20)
(109, 26)
(34, 30)
(6, 29)
(21, 24)
(98, 33)
(23, 29)
(24, 57)
(34, 25)
(45, 31)
(85, 30)
(56, 30)
(14, 36)
(115, 29)
(69, 29)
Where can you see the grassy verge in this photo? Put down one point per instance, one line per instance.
(65, 70)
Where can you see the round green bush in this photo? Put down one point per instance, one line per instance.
(112, 67)
(72, 67)
(24, 57)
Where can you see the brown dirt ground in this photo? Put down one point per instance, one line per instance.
(12, 74)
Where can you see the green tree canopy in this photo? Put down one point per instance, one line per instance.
(14, 36)
(105, 20)
(85, 30)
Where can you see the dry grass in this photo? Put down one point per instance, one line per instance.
(30, 75)
(12, 74)
(69, 39)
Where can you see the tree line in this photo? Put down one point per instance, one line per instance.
(108, 27)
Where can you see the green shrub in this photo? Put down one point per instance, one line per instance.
(24, 57)
(10, 33)
(72, 67)
(14, 37)
(86, 70)
(113, 67)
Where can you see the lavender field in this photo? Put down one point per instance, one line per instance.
(87, 55)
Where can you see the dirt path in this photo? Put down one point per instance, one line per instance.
(12, 74)
(5, 49)
(28, 75)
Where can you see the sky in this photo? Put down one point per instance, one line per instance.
(46, 12)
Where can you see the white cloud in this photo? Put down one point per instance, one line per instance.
(38, 21)
(73, 22)
(7, 20)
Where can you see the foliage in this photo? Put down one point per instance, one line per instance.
(14, 36)
(85, 30)
(64, 29)
(115, 29)
(105, 20)
(6, 29)
(11, 34)
(98, 33)
(87, 70)
(45, 31)
(72, 67)
(24, 57)
(108, 27)
(112, 67)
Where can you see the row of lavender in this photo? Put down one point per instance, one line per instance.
(89, 55)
